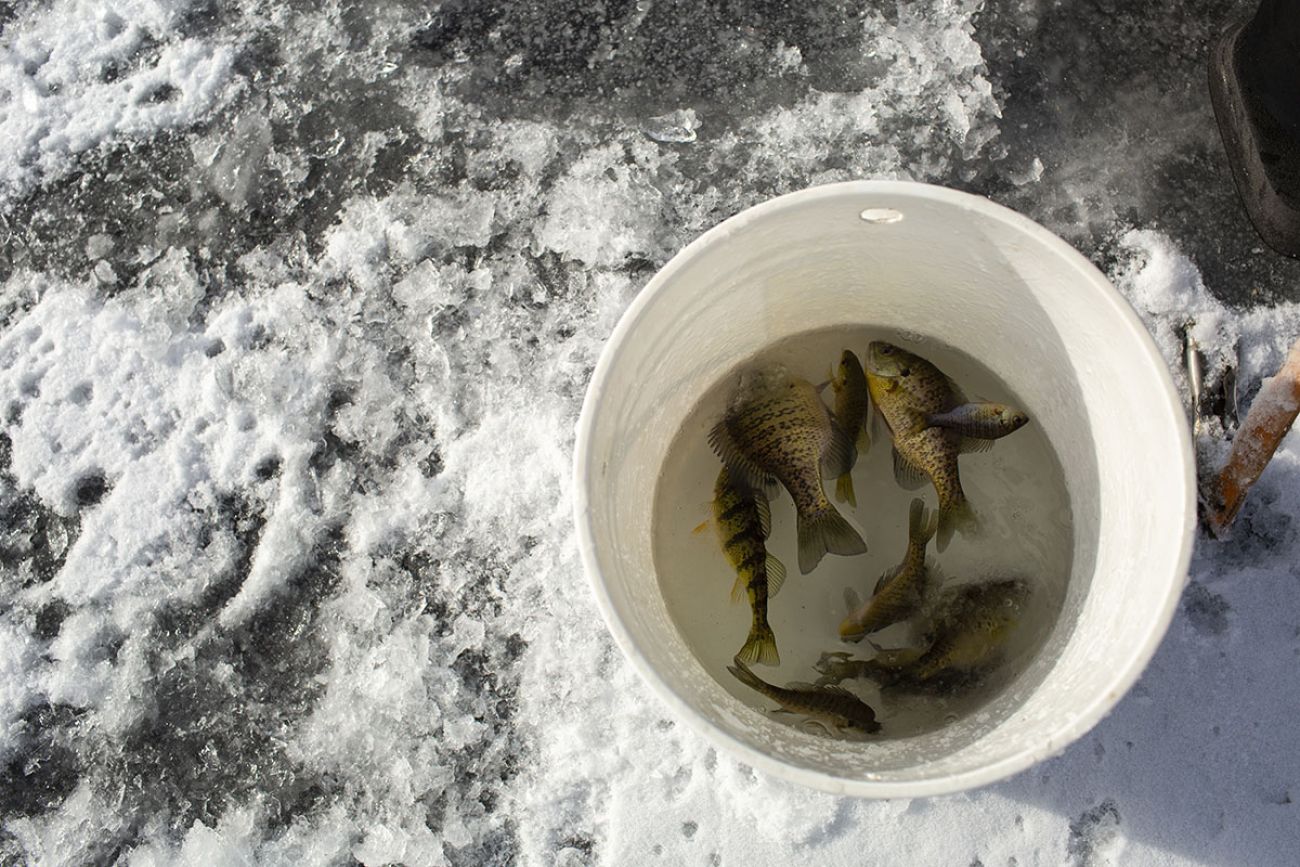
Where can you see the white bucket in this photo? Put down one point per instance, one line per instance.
(985, 281)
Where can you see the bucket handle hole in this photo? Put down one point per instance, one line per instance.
(881, 215)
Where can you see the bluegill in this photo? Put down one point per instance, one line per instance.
(833, 707)
(971, 624)
(776, 426)
(985, 421)
(743, 522)
(900, 592)
(906, 390)
(852, 402)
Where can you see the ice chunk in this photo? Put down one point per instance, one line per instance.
(676, 127)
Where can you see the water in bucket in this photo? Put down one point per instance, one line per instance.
(1016, 488)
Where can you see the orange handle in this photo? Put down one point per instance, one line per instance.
(1271, 415)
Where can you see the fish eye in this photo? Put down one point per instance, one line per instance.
(886, 350)
(905, 371)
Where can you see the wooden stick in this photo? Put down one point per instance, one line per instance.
(1271, 415)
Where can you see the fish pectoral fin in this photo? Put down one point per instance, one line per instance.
(701, 527)
(840, 454)
(738, 589)
(884, 579)
(975, 444)
(764, 509)
(863, 441)
(741, 466)
(908, 475)
(775, 575)
(852, 601)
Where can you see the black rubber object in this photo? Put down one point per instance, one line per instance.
(1255, 88)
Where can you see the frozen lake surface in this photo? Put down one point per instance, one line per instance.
(298, 302)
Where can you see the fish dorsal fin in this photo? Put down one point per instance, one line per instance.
(775, 575)
(764, 510)
(801, 686)
(840, 454)
(975, 444)
(907, 474)
(742, 468)
(852, 601)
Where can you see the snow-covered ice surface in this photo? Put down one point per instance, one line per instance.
(299, 301)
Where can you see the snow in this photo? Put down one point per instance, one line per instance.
(290, 359)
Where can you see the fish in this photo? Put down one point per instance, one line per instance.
(743, 522)
(852, 403)
(776, 427)
(971, 624)
(886, 668)
(833, 707)
(983, 421)
(900, 592)
(906, 390)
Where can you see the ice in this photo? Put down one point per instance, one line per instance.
(677, 127)
(298, 307)
(118, 71)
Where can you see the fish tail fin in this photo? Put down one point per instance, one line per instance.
(760, 647)
(740, 671)
(922, 524)
(825, 530)
(844, 492)
(956, 516)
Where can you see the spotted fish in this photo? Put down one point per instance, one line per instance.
(971, 624)
(906, 390)
(776, 426)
